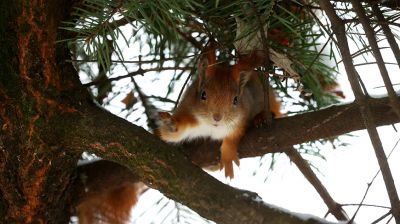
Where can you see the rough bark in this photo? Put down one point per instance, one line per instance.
(165, 168)
(38, 94)
(47, 121)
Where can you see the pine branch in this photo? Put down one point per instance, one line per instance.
(189, 38)
(366, 114)
(266, 51)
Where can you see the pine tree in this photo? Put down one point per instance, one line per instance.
(49, 117)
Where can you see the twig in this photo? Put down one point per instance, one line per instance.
(382, 217)
(137, 62)
(386, 30)
(138, 72)
(319, 54)
(183, 87)
(117, 23)
(365, 22)
(189, 38)
(371, 182)
(318, 21)
(105, 23)
(373, 63)
(359, 206)
(377, 87)
(149, 109)
(380, 154)
(267, 62)
(309, 174)
(367, 205)
(339, 30)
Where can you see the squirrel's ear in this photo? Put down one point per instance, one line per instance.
(202, 71)
(207, 62)
(243, 78)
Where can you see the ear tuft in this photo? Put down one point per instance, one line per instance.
(207, 62)
(244, 77)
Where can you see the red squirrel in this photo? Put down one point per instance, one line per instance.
(105, 192)
(219, 104)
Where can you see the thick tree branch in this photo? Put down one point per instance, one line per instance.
(327, 122)
(289, 131)
(163, 167)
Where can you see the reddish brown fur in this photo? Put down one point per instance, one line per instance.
(111, 206)
(106, 192)
(221, 83)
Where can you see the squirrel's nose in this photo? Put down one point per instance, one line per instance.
(217, 117)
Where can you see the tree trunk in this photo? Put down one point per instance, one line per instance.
(38, 95)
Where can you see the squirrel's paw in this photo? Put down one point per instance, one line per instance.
(167, 122)
(167, 130)
(260, 119)
(227, 164)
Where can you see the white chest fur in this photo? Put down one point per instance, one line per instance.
(205, 129)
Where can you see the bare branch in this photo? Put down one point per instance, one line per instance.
(138, 72)
(386, 30)
(138, 61)
(334, 207)
(365, 22)
(382, 217)
(371, 182)
(366, 114)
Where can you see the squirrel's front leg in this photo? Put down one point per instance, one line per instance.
(229, 152)
(172, 127)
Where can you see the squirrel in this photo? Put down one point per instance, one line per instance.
(219, 104)
(106, 192)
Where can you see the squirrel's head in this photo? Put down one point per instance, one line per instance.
(219, 93)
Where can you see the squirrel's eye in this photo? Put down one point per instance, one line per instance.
(203, 95)
(235, 100)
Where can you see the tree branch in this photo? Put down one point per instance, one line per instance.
(369, 31)
(138, 72)
(334, 207)
(370, 124)
(100, 138)
(387, 31)
(163, 167)
(366, 113)
(288, 131)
